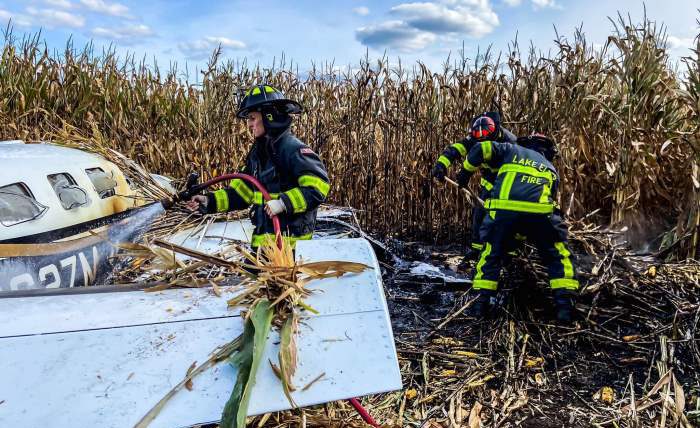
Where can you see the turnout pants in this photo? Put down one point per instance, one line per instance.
(546, 231)
(478, 214)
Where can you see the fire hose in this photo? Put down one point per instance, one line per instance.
(192, 188)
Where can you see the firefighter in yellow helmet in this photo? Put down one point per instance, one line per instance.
(292, 172)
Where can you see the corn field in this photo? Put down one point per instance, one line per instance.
(626, 119)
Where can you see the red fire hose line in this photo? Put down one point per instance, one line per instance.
(363, 412)
(278, 234)
(261, 189)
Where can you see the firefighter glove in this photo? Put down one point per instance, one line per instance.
(439, 172)
(198, 203)
(275, 207)
(463, 178)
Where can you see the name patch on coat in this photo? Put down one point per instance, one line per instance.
(306, 151)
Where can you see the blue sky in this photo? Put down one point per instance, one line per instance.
(332, 30)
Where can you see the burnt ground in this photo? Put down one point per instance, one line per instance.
(631, 359)
(637, 319)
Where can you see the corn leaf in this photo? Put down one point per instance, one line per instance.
(247, 361)
(288, 355)
(219, 354)
(338, 268)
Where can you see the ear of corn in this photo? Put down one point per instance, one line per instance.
(626, 119)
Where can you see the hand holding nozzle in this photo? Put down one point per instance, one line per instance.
(192, 190)
(191, 187)
(195, 201)
(188, 195)
(198, 203)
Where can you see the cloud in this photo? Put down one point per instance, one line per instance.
(63, 4)
(394, 34)
(541, 4)
(201, 49)
(422, 23)
(536, 4)
(52, 18)
(128, 34)
(680, 42)
(21, 20)
(471, 17)
(112, 9)
(226, 42)
(362, 11)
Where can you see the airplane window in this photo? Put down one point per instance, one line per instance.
(17, 205)
(104, 183)
(68, 192)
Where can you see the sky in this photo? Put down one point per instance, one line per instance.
(337, 31)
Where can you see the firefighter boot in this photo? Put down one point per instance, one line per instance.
(564, 305)
(481, 308)
(470, 255)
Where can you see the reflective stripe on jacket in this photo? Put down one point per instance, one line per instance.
(290, 171)
(526, 181)
(460, 149)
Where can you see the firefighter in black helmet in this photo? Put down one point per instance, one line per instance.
(523, 200)
(486, 127)
(292, 172)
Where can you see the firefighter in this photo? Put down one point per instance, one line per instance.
(483, 128)
(522, 201)
(292, 173)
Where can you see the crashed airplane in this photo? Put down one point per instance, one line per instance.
(69, 335)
